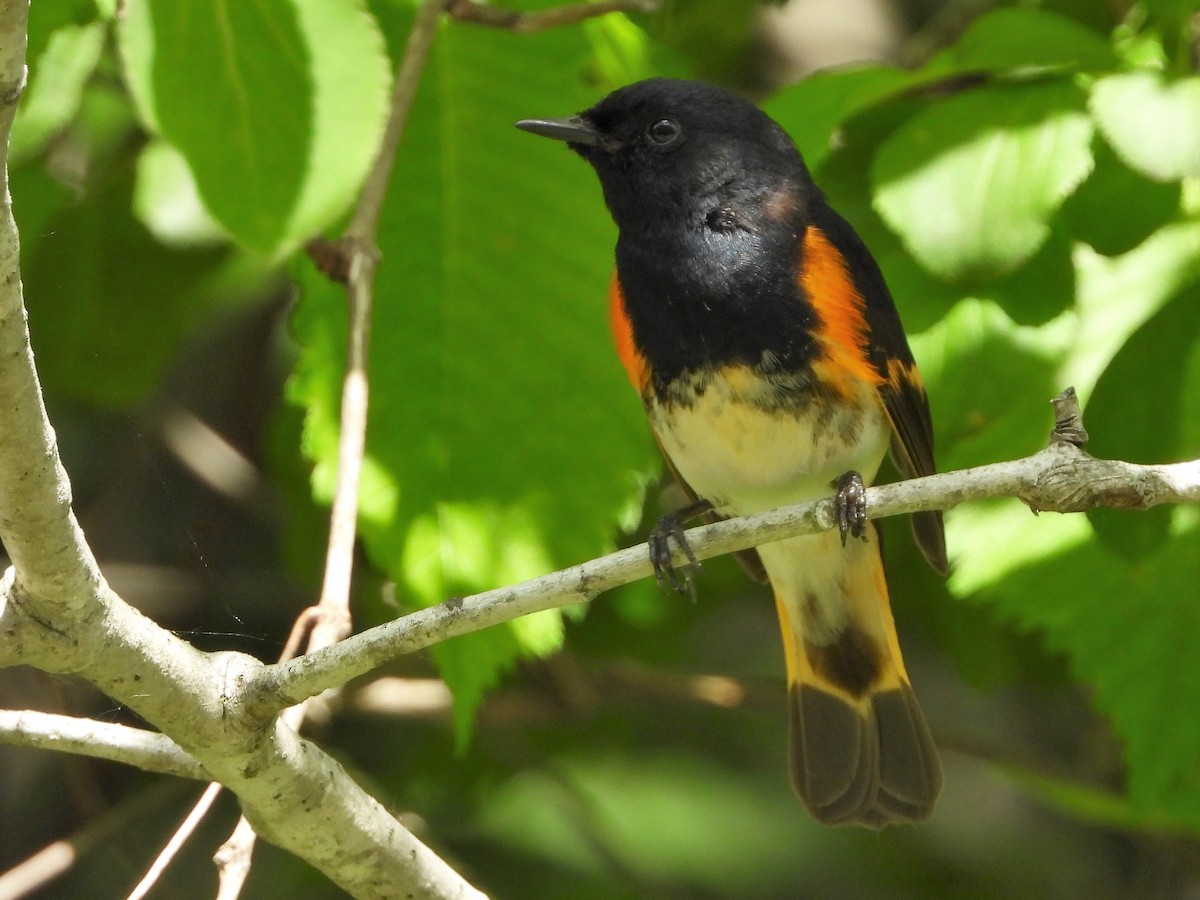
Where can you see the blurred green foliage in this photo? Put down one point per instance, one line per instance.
(1032, 192)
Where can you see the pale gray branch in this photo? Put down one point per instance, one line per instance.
(103, 740)
(1060, 478)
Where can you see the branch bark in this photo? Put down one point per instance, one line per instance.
(137, 747)
(1061, 478)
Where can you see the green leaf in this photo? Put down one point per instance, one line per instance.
(970, 184)
(623, 53)
(1174, 23)
(1001, 41)
(47, 19)
(58, 73)
(990, 382)
(1137, 411)
(670, 818)
(1040, 290)
(1128, 631)
(1021, 38)
(714, 36)
(105, 329)
(1116, 295)
(812, 110)
(1100, 17)
(1153, 124)
(1145, 205)
(504, 438)
(1098, 806)
(277, 108)
(165, 199)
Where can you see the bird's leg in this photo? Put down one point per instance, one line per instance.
(670, 529)
(850, 504)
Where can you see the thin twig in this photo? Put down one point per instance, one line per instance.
(334, 622)
(232, 860)
(56, 859)
(408, 76)
(178, 839)
(531, 22)
(1060, 478)
(330, 621)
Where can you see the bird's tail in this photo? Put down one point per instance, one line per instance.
(860, 750)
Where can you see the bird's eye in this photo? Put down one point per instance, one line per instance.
(663, 132)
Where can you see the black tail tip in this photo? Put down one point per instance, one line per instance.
(869, 763)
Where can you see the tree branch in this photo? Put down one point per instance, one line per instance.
(146, 750)
(1060, 478)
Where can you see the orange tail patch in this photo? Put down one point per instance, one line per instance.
(860, 750)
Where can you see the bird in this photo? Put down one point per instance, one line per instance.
(769, 357)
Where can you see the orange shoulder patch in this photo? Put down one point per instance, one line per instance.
(633, 361)
(843, 330)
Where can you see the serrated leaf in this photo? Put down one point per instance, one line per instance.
(1153, 124)
(1128, 631)
(971, 183)
(277, 108)
(501, 424)
(1137, 411)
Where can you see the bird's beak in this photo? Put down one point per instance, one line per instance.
(574, 130)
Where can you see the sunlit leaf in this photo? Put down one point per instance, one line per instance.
(58, 72)
(1127, 630)
(1152, 123)
(166, 201)
(971, 183)
(277, 108)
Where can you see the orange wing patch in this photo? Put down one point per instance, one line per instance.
(900, 373)
(633, 361)
(843, 327)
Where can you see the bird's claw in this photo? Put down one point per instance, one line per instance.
(670, 530)
(850, 505)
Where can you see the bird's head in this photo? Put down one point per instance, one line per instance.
(670, 151)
